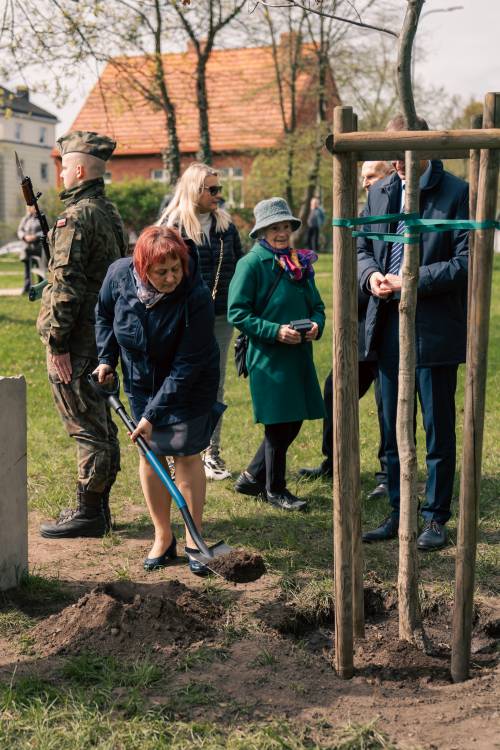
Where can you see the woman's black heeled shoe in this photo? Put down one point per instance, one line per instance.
(196, 567)
(154, 563)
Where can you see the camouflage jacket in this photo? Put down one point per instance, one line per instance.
(86, 238)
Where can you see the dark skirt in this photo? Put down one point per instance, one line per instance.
(182, 438)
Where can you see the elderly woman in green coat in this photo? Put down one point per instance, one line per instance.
(273, 285)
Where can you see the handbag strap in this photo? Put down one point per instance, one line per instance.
(217, 273)
(272, 289)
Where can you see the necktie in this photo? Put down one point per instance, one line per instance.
(396, 254)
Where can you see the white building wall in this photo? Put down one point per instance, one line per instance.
(23, 134)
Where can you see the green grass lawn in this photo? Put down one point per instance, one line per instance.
(294, 545)
(291, 543)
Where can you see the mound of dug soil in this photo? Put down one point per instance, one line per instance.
(122, 617)
(239, 566)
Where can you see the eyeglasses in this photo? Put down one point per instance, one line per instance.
(214, 189)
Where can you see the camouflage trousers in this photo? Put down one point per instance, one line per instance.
(87, 418)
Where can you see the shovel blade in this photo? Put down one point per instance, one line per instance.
(216, 550)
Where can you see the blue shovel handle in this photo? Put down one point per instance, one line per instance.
(111, 394)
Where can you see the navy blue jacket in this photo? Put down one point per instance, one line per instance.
(168, 351)
(441, 315)
(209, 254)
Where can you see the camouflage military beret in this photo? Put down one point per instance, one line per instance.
(86, 142)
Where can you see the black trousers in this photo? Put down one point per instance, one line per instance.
(268, 466)
(313, 238)
(436, 388)
(367, 374)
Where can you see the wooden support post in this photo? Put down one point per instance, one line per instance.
(358, 604)
(345, 402)
(476, 122)
(475, 391)
(410, 622)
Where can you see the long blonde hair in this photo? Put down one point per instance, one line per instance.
(181, 211)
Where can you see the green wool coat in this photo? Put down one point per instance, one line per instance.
(283, 381)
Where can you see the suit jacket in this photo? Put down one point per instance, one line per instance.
(441, 315)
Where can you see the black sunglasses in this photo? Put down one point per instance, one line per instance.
(214, 189)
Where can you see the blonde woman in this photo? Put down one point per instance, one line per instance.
(196, 212)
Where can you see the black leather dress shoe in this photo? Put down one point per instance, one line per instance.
(318, 472)
(285, 500)
(388, 529)
(155, 563)
(433, 536)
(195, 566)
(379, 491)
(246, 484)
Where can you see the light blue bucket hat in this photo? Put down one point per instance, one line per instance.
(270, 211)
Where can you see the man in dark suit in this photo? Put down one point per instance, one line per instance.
(371, 172)
(440, 331)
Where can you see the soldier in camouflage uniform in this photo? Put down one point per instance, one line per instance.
(86, 238)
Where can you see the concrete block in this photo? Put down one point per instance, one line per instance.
(13, 482)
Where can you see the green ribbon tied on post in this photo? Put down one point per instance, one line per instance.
(413, 223)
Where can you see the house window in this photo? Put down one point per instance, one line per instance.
(231, 179)
(159, 175)
(107, 177)
(18, 132)
(44, 172)
(43, 135)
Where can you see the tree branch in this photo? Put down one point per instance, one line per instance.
(361, 24)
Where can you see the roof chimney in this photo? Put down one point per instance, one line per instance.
(23, 92)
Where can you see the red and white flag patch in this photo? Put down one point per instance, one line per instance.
(61, 222)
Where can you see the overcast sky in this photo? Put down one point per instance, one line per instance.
(462, 53)
(462, 47)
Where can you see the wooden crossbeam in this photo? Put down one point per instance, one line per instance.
(427, 141)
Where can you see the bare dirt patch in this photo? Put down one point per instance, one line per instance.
(254, 655)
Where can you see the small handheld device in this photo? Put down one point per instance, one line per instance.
(302, 326)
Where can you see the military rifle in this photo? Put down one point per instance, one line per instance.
(31, 199)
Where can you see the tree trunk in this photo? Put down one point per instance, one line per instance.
(171, 154)
(404, 79)
(410, 621)
(313, 175)
(205, 149)
(290, 157)
(299, 238)
(475, 393)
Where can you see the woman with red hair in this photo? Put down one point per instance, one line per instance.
(156, 316)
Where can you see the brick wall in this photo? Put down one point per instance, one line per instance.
(130, 167)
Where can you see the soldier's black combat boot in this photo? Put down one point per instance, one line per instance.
(88, 519)
(67, 513)
(106, 510)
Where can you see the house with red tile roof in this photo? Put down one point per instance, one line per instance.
(244, 112)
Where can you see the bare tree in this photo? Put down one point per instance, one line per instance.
(327, 38)
(64, 35)
(202, 22)
(410, 624)
(289, 62)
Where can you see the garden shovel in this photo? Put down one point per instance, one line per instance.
(206, 555)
